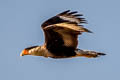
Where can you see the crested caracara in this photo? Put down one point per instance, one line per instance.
(61, 38)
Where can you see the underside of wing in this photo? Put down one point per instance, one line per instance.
(68, 32)
(59, 42)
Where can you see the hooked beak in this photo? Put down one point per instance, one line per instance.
(24, 52)
(21, 54)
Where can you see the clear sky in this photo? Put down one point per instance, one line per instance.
(20, 22)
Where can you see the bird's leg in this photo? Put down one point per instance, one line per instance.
(89, 54)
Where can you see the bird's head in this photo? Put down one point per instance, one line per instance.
(28, 51)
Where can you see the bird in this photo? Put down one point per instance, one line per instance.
(61, 38)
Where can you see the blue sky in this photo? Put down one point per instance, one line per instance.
(20, 22)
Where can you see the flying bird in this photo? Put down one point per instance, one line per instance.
(61, 37)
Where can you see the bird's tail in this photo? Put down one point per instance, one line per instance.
(88, 54)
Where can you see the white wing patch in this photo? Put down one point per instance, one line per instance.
(72, 27)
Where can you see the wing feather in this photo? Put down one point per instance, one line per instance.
(73, 27)
(71, 17)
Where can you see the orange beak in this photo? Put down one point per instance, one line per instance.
(24, 52)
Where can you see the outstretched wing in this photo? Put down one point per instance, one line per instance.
(61, 32)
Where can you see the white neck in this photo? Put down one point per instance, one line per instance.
(40, 51)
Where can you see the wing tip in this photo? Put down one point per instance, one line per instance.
(86, 30)
(64, 12)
